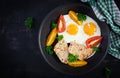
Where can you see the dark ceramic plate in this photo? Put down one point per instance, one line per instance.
(52, 60)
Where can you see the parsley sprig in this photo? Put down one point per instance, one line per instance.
(54, 25)
(81, 17)
(29, 22)
(49, 50)
(107, 72)
(96, 48)
(59, 37)
(72, 58)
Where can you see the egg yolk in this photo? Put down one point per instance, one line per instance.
(90, 28)
(72, 29)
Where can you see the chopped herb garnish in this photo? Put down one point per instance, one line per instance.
(49, 50)
(96, 48)
(81, 17)
(72, 58)
(29, 22)
(59, 37)
(54, 24)
(107, 72)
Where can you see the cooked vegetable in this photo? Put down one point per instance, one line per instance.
(29, 22)
(96, 48)
(61, 24)
(54, 24)
(72, 58)
(93, 41)
(51, 37)
(74, 17)
(59, 37)
(49, 50)
(81, 17)
(78, 63)
(107, 72)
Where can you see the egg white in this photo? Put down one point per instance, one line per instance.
(80, 37)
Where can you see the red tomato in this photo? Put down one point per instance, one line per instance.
(61, 24)
(93, 41)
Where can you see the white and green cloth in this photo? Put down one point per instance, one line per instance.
(107, 11)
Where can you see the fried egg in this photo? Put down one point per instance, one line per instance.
(80, 33)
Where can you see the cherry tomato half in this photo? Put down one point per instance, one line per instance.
(93, 41)
(61, 24)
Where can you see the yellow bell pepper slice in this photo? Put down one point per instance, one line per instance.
(74, 17)
(51, 37)
(78, 63)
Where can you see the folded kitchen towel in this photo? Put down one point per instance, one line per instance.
(107, 11)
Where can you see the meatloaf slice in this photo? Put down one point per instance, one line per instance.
(61, 50)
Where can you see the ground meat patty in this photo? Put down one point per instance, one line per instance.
(80, 50)
(61, 50)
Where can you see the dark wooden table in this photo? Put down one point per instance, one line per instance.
(19, 50)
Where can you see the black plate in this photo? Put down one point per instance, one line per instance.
(52, 60)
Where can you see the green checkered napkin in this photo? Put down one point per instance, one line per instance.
(107, 11)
